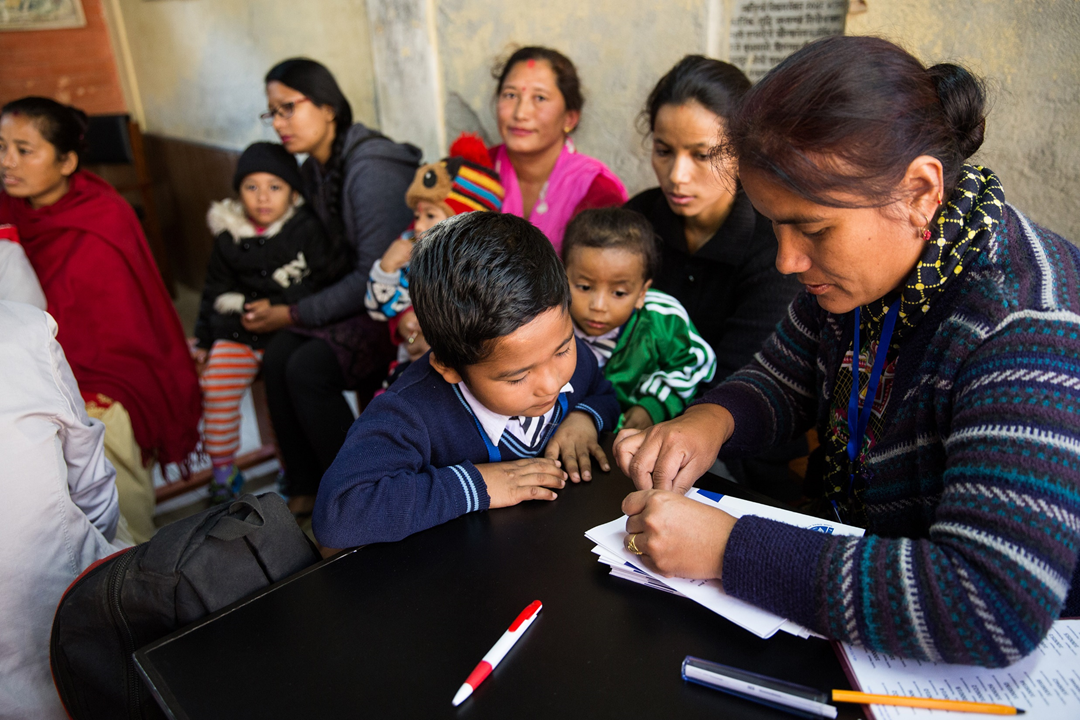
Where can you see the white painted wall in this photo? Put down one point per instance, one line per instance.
(199, 64)
(421, 69)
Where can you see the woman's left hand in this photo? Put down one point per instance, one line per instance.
(262, 317)
(677, 536)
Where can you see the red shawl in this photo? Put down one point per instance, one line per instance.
(117, 325)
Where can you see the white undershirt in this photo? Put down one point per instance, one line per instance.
(525, 429)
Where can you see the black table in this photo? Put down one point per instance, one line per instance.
(392, 630)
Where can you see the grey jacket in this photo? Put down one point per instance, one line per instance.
(378, 171)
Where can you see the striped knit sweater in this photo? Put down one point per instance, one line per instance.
(972, 491)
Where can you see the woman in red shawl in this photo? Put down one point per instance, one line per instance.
(117, 324)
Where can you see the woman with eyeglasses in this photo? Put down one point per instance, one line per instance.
(936, 348)
(116, 322)
(538, 102)
(355, 179)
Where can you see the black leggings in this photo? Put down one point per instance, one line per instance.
(311, 418)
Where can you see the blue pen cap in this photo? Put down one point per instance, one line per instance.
(789, 697)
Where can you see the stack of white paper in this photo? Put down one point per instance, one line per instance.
(610, 538)
(1045, 684)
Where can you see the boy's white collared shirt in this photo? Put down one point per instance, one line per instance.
(601, 345)
(525, 429)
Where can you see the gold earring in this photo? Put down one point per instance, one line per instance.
(925, 232)
(567, 129)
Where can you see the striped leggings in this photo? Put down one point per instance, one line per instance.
(230, 370)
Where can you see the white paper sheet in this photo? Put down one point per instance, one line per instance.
(610, 537)
(1046, 684)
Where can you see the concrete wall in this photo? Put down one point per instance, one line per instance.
(198, 67)
(620, 47)
(73, 66)
(199, 64)
(1030, 53)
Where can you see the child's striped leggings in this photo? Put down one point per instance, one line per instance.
(230, 369)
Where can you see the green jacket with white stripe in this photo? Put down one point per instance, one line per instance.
(660, 359)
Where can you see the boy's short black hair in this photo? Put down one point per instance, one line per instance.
(614, 228)
(479, 276)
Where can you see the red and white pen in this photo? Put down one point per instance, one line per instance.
(498, 652)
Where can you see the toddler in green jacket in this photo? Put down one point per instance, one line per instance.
(642, 338)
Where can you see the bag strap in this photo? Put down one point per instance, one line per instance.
(245, 516)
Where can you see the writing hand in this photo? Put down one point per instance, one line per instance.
(673, 454)
(262, 317)
(509, 483)
(575, 443)
(677, 536)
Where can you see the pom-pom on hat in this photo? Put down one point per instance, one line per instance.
(460, 183)
(269, 158)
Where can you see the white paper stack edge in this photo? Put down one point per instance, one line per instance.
(609, 539)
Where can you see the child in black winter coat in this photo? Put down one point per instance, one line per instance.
(267, 244)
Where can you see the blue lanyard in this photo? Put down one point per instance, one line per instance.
(858, 418)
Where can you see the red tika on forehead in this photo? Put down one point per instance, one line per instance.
(531, 63)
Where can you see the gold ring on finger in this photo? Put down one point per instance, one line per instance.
(631, 545)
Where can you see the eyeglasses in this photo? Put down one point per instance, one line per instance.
(284, 110)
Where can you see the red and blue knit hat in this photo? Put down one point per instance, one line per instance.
(463, 182)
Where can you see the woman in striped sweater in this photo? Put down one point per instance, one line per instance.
(955, 439)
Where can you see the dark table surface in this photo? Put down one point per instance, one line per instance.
(392, 630)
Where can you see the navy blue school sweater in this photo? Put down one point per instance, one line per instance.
(409, 461)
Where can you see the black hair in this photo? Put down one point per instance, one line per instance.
(317, 84)
(715, 85)
(614, 227)
(62, 126)
(566, 75)
(480, 276)
(847, 115)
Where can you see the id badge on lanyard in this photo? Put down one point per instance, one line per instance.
(858, 418)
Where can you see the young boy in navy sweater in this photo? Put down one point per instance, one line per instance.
(505, 407)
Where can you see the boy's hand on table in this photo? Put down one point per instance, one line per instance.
(637, 418)
(509, 483)
(575, 443)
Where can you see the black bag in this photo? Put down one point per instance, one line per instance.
(188, 570)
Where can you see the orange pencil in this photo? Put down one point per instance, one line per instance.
(850, 696)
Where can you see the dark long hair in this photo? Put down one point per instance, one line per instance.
(62, 126)
(318, 84)
(715, 85)
(847, 115)
(566, 75)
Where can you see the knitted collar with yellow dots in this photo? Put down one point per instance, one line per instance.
(973, 209)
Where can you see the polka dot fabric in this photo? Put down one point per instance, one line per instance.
(977, 204)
